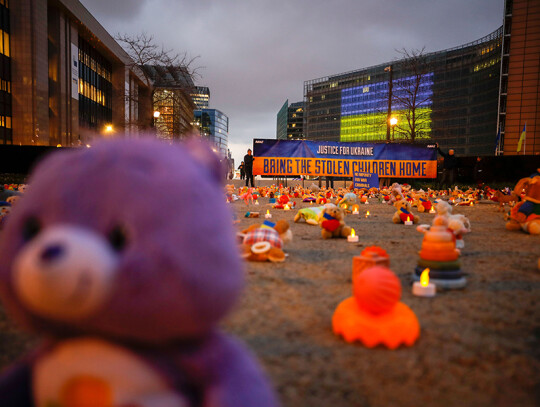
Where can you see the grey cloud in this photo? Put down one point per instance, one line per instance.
(258, 53)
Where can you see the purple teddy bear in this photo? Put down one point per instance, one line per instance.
(123, 256)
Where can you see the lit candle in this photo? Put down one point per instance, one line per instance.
(355, 211)
(472, 204)
(286, 207)
(256, 202)
(424, 288)
(367, 202)
(344, 206)
(268, 214)
(408, 222)
(367, 214)
(432, 210)
(352, 238)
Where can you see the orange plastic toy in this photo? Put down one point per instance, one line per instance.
(374, 315)
(370, 256)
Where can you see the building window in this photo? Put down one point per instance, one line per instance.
(95, 87)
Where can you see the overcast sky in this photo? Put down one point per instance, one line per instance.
(255, 54)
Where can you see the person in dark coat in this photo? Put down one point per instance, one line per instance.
(450, 167)
(241, 167)
(248, 167)
(479, 171)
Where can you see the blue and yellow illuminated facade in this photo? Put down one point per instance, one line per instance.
(454, 93)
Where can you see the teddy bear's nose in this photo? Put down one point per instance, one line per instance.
(51, 253)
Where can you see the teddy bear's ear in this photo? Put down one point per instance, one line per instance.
(201, 151)
(522, 184)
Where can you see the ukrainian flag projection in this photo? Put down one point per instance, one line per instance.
(364, 109)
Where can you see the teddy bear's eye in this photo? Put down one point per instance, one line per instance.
(31, 228)
(118, 238)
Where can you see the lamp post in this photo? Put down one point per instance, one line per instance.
(155, 116)
(393, 122)
(389, 113)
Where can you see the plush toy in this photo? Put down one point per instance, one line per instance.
(459, 225)
(229, 193)
(348, 200)
(128, 299)
(265, 242)
(332, 222)
(403, 212)
(526, 214)
(284, 202)
(5, 209)
(310, 215)
(443, 208)
(423, 204)
(396, 193)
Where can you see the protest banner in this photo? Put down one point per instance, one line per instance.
(338, 159)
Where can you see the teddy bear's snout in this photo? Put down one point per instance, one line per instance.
(65, 272)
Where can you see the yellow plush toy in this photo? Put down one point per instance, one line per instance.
(526, 214)
(403, 212)
(332, 222)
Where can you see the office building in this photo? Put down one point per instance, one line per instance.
(214, 125)
(281, 125)
(295, 121)
(71, 77)
(201, 97)
(290, 121)
(463, 95)
(172, 89)
(519, 100)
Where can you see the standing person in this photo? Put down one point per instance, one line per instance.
(241, 167)
(248, 167)
(479, 172)
(450, 166)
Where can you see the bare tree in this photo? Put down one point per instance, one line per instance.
(413, 95)
(169, 77)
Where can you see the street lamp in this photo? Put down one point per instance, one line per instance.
(393, 122)
(155, 116)
(108, 129)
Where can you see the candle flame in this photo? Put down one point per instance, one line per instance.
(432, 210)
(268, 211)
(344, 206)
(424, 278)
(472, 203)
(352, 233)
(408, 218)
(286, 207)
(367, 214)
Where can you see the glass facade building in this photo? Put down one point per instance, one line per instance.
(95, 88)
(290, 121)
(454, 93)
(281, 125)
(295, 121)
(201, 97)
(6, 136)
(214, 125)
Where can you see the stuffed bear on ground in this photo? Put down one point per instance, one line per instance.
(332, 222)
(265, 242)
(128, 289)
(403, 212)
(526, 214)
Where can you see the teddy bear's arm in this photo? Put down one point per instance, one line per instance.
(16, 386)
(228, 375)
